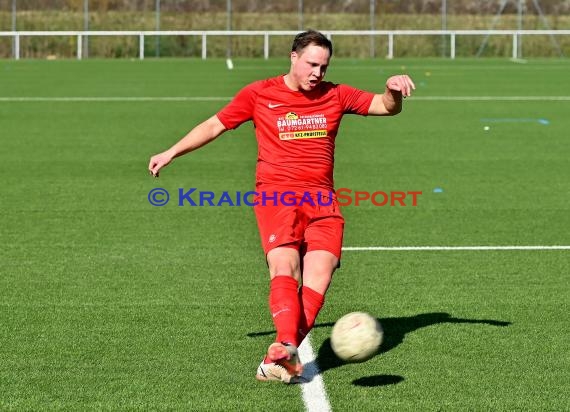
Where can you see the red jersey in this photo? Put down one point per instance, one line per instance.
(295, 130)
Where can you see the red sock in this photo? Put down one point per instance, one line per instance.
(285, 308)
(311, 303)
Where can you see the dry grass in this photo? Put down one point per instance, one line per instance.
(352, 46)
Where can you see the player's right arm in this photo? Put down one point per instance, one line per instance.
(199, 136)
(390, 103)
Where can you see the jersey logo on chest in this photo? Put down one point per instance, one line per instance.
(292, 126)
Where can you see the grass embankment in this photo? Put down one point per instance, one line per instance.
(252, 46)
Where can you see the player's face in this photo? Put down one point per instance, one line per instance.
(309, 66)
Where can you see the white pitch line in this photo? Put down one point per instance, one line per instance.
(421, 248)
(223, 98)
(314, 393)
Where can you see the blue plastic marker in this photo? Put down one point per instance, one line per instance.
(438, 190)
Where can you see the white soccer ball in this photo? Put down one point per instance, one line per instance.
(356, 337)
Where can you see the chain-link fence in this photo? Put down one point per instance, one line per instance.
(168, 15)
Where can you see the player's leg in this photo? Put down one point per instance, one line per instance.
(281, 236)
(284, 273)
(323, 240)
(282, 360)
(318, 269)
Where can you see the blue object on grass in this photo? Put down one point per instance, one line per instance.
(514, 120)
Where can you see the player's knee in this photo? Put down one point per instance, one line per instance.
(318, 269)
(320, 261)
(284, 262)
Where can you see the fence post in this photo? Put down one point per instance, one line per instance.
(204, 46)
(300, 12)
(452, 52)
(17, 46)
(86, 25)
(79, 46)
(14, 26)
(157, 11)
(372, 28)
(266, 45)
(390, 46)
(141, 46)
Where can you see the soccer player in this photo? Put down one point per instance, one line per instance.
(296, 118)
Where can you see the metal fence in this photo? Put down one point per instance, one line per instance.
(79, 37)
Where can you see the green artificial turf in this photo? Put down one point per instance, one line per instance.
(107, 302)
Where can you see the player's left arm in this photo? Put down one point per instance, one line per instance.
(390, 102)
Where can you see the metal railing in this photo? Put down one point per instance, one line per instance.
(391, 34)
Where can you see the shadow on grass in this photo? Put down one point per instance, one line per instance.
(377, 380)
(395, 331)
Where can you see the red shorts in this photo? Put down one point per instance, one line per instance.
(300, 223)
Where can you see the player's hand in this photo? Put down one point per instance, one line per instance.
(401, 83)
(158, 161)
